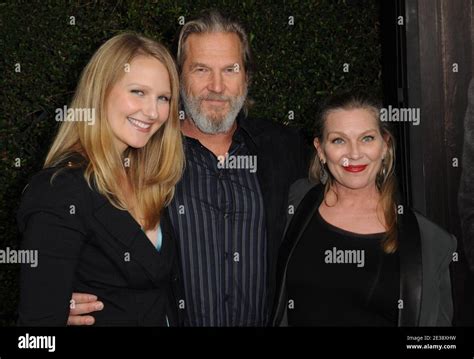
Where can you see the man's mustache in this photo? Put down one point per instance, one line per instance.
(215, 97)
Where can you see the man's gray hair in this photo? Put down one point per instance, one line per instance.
(214, 21)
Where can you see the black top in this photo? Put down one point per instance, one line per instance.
(340, 278)
(425, 252)
(219, 217)
(85, 244)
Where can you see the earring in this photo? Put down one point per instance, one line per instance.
(384, 170)
(323, 176)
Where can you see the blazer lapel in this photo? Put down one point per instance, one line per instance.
(411, 274)
(257, 144)
(123, 227)
(304, 212)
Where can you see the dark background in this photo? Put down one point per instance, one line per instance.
(296, 67)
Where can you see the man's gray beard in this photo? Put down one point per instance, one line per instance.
(212, 125)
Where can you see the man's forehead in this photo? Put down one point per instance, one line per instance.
(223, 46)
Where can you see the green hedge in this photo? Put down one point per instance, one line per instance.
(297, 65)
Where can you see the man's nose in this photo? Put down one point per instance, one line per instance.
(216, 83)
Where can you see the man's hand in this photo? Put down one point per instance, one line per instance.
(82, 303)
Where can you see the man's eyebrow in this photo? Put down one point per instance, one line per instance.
(198, 64)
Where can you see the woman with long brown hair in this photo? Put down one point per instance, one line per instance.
(96, 212)
(352, 254)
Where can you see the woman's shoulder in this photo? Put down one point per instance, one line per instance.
(437, 236)
(299, 189)
(58, 191)
(57, 179)
(53, 185)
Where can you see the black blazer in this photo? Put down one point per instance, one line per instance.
(283, 156)
(85, 244)
(425, 252)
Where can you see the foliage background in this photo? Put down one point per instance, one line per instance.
(296, 66)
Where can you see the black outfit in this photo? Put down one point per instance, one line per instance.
(229, 223)
(85, 244)
(360, 288)
(425, 251)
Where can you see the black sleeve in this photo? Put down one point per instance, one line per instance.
(466, 189)
(445, 309)
(306, 152)
(50, 221)
(177, 305)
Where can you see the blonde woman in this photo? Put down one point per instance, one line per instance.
(96, 212)
(353, 255)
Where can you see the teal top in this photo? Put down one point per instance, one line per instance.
(159, 240)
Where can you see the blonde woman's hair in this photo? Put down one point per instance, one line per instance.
(386, 181)
(152, 171)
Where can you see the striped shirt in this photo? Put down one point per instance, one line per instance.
(218, 216)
